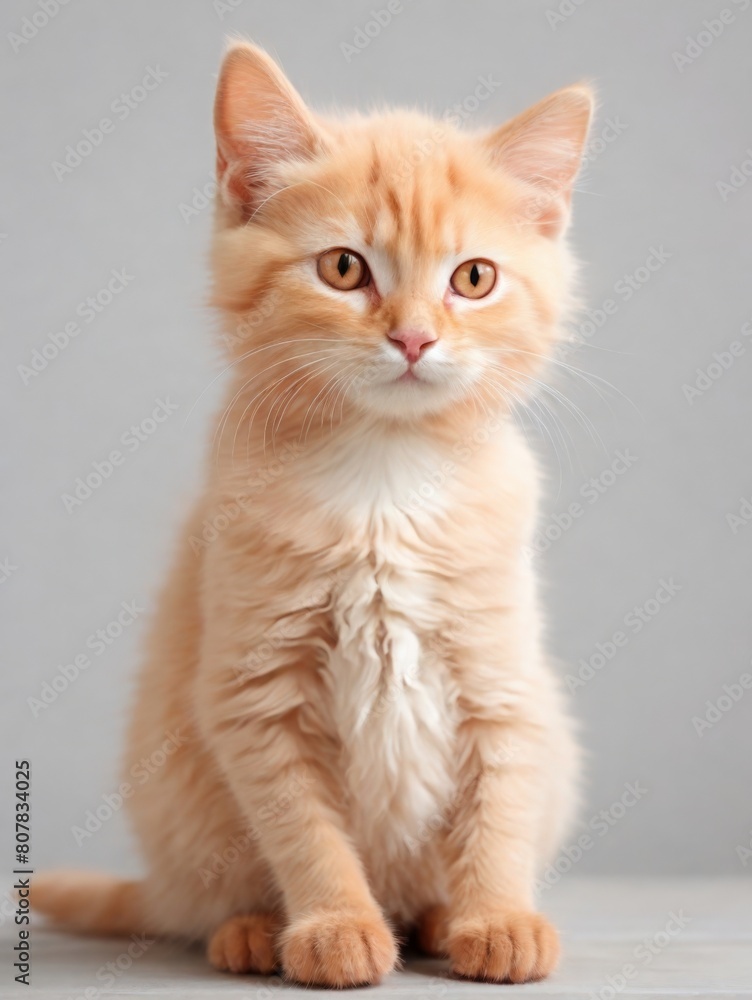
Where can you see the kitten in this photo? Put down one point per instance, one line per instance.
(365, 737)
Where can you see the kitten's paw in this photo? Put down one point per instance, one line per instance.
(509, 947)
(245, 943)
(338, 948)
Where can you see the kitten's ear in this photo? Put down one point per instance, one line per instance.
(543, 146)
(260, 121)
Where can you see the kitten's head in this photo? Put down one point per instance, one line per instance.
(390, 263)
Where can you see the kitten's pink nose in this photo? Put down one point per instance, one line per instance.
(412, 342)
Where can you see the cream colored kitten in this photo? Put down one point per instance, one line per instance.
(349, 641)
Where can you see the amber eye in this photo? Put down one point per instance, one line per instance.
(474, 279)
(343, 269)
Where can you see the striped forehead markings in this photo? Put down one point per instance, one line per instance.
(401, 213)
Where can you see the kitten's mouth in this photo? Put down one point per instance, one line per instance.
(409, 376)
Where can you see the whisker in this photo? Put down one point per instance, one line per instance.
(582, 419)
(261, 395)
(305, 419)
(344, 382)
(587, 377)
(249, 354)
(304, 379)
(526, 402)
(225, 414)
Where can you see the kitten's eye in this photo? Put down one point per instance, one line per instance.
(474, 279)
(343, 269)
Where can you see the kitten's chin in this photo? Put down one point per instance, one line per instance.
(408, 398)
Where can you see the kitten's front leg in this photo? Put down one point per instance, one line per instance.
(492, 930)
(336, 934)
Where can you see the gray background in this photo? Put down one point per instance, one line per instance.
(654, 185)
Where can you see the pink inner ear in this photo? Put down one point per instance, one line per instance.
(244, 82)
(548, 204)
(554, 220)
(259, 121)
(543, 147)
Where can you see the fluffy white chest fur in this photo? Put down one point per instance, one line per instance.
(392, 708)
(391, 696)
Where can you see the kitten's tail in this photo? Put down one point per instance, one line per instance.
(89, 901)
